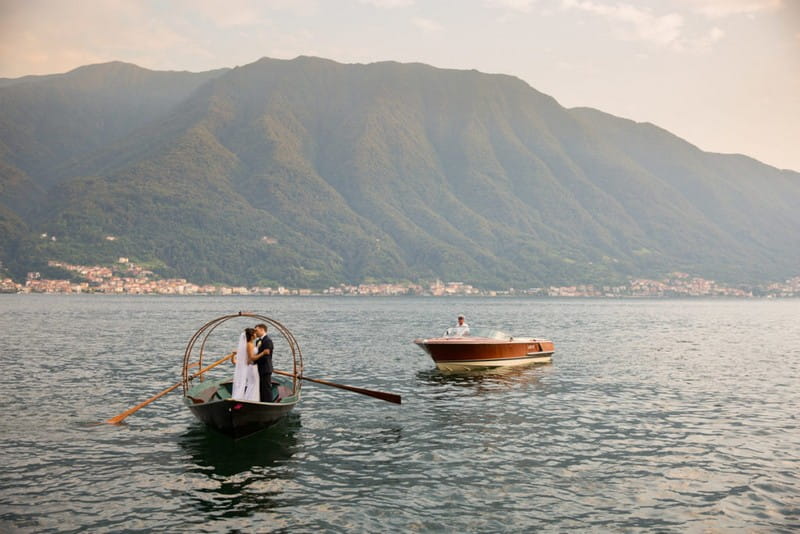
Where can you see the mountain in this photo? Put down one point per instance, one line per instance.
(309, 172)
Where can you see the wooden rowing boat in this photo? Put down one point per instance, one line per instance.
(210, 399)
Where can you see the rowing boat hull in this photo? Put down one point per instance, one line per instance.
(235, 418)
(239, 419)
(466, 354)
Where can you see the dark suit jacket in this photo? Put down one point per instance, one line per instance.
(264, 363)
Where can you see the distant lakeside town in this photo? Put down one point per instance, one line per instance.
(125, 277)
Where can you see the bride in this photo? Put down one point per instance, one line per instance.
(245, 376)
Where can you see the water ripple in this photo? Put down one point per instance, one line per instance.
(655, 415)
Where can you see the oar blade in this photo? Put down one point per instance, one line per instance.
(382, 395)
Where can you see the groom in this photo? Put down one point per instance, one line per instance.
(263, 359)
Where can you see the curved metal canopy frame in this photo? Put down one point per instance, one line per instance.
(207, 329)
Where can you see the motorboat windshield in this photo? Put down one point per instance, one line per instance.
(477, 332)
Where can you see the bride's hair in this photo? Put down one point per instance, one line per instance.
(249, 334)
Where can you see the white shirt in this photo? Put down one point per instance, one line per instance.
(461, 330)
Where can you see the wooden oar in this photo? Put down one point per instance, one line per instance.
(118, 418)
(390, 397)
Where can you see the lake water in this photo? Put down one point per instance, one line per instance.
(655, 415)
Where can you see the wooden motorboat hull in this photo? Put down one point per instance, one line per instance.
(465, 354)
(210, 403)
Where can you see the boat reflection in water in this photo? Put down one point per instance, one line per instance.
(215, 454)
(482, 348)
(245, 476)
(486, 380)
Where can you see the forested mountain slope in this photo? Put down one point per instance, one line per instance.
(310, 172)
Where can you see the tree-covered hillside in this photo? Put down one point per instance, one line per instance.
(310, 172)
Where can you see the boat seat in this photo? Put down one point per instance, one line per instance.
(204, 395)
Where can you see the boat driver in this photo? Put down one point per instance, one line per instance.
(462, 328)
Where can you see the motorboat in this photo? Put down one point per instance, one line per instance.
(460, 349)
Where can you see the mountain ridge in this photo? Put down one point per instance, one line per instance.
(311, 172)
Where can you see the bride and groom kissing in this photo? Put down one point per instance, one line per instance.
(252, 377)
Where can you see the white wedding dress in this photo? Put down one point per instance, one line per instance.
(245, 376)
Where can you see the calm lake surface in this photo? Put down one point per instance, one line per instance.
(655, 415)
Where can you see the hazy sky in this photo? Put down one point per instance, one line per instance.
(722, 74)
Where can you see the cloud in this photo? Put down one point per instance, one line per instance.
(228, 15)
(643, 25)
(57, 36)
(726, 8)
(702, 43)
(388, 4)
(43, 37)
(427, 25)
(664, 30)
(242, 13)
(523, 6)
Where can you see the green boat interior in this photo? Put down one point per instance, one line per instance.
(213, 390)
